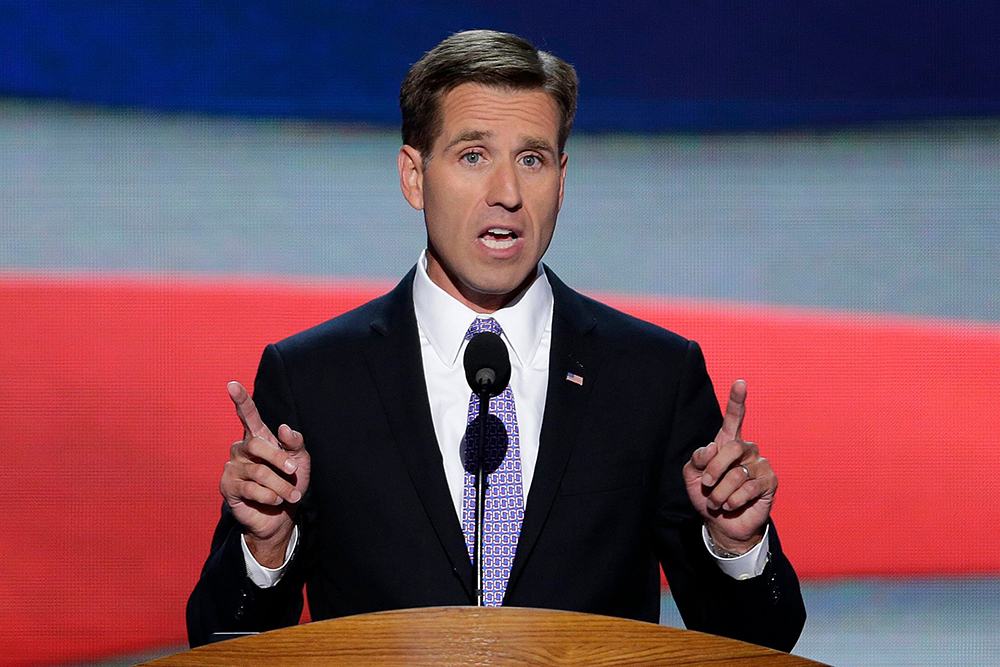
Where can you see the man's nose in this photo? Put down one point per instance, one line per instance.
(504, 187)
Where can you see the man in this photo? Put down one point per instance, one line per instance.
(617, 459)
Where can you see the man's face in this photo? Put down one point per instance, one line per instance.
(490, 191)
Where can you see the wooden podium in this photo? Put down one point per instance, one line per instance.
(480, 636)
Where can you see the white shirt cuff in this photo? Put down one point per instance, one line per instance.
(265, 577)
(749, 565)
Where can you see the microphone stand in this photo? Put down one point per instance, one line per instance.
(487, 368)
(477, 550)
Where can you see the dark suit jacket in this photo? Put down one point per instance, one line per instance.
(607, 505)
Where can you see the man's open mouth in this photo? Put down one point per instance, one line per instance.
(498, 238)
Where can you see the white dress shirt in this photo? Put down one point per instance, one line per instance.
(442, 322)
(527, 330)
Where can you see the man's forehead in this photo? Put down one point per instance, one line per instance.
(473, 112)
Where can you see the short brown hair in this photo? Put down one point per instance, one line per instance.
(489, 58)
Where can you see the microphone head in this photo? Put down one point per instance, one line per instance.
(487, 363)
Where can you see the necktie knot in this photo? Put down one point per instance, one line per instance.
(481, 324)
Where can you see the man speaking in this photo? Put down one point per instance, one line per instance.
(351, 475)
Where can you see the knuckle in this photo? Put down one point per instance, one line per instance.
(254, 445)
(258, 473)
(238, 449)
(737, 502)
(734, 502)
(229, 476)
(239, 489)
(727, 456)
(250, 490)
(736, 477)
(716, 470)
(254, 492)
(262, 494)
(263, 449)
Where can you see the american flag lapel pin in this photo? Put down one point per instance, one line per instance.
(574, 378)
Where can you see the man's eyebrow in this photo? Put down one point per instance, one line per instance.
(528, 142)
(468, 135)
(538, 144)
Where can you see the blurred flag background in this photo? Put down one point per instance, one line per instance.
(808, 190)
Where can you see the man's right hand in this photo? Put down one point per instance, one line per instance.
(264, 480)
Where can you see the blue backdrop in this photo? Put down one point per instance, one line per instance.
(645, 66)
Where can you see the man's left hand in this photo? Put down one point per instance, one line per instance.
(730, 484)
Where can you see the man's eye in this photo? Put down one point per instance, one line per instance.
(472, 158)
(530, 161)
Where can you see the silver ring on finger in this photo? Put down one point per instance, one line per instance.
(746, 471)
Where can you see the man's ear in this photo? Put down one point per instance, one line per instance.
(411, 176)
(563, 161)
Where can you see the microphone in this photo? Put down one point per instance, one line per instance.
(487, 364)
(487, 370)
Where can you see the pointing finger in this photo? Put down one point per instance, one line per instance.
(253, 425)
(732, 424)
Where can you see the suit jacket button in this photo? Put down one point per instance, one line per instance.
(241, 608)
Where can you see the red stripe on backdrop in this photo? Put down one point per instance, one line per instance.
(879, 429)
(118, 424)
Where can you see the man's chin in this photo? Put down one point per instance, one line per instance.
(502, 286)
(491, 293)
(496, 292)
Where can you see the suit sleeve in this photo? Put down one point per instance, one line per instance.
(225, 599)
(766, 610)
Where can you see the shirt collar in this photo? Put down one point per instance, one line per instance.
(444, 320)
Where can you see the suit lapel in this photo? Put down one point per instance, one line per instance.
(394, 358)
(565, 406)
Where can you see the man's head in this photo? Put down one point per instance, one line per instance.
(485, 120)
(488, 58)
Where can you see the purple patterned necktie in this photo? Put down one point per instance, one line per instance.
(504, 495)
